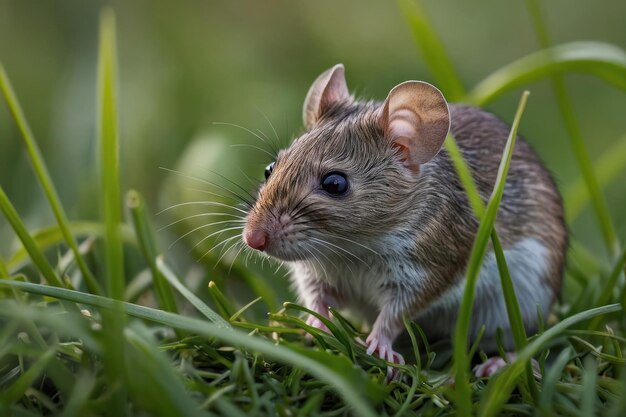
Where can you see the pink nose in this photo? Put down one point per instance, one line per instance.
(256, 239)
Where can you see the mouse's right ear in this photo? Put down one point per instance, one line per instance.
(415, 119)
(328, 89)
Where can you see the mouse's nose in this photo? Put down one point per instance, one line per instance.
(256, 239)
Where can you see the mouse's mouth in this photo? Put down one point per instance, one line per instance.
(278, 244)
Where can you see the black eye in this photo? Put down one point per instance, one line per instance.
(269, 169)
(335, 183)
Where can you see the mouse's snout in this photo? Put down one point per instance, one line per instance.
(256, 239)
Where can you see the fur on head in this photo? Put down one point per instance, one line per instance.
(351, 173)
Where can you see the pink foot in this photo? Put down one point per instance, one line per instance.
(317, 323)
(489, 367)
(383, 347)
(495, 363)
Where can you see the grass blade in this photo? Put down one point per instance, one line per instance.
(4, 272)
(433, 50)
(111, 210)
(109, 155)
(19, 387)
(191, 297)
(465, 176)
(513, 310)
(166, 395)
(576, 140)
(500, 386)
(147, 244)
(461, 359)
(612, 162)
(50, 236)
(41, 171)
(347, 380)
(603, 60)
(29, 244)
(609, 287)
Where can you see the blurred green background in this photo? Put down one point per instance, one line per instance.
(185, 65)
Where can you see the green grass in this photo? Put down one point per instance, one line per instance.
(94, 321)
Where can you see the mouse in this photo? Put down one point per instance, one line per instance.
(366, 209)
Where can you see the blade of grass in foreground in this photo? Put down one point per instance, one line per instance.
(109, 155)
(611, 163)
(347, 380)
(29, 244)
(16, 390)
(606, 61)
(147, 244)
(500, 385)
(41, 171)
(433, 50)
(191, 297)
(576, 139)
(461, 359)
(113, 321)
(166, 395)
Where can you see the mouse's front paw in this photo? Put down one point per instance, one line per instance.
(383, 347)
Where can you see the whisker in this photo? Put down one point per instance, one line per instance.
(246, 145)
(356, 243)
(269, 122)
(338, 247)
(233, 183)
(249, 131)
(215, 233)
(207, 203)
(225, 251)
(195, 229)
(225, 241)
(243, 247)
(217, 214)
(211, 183)
(252, 182)
(234, 198)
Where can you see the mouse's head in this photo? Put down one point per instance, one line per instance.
(350, 176)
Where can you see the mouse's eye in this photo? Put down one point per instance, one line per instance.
(335, 183)
(269, 169)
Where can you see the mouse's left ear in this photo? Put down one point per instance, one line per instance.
(415, 119)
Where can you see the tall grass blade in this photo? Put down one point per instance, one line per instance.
(612, 162)
(576, 140)
(605, 61)
(147, 244)
(4, 272)
(609, 287)
(111, 210)
(513, 310)
(500, 386)
(41, 171)
(465, 176)
(29, 244)
(338, 373)
(461, 359)
(433, 50)
(109, 155)
(169, 275)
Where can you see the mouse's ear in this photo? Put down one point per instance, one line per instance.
(416, 120)
(328, 89)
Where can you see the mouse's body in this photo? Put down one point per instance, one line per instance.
(371, 216)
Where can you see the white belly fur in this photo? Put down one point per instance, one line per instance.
(528, 265)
